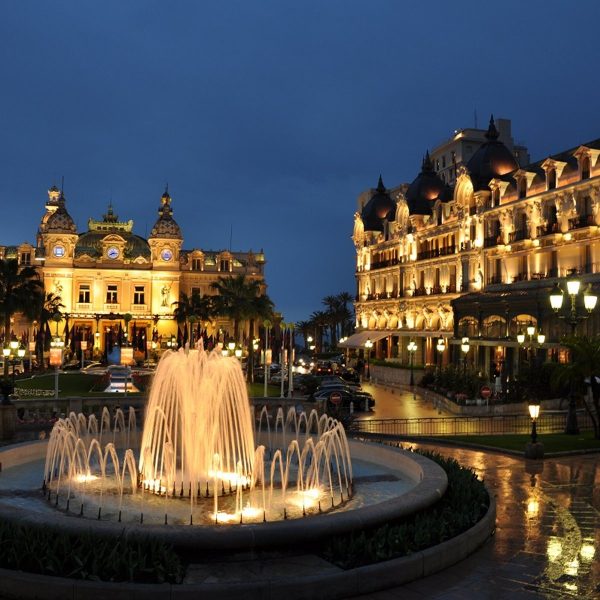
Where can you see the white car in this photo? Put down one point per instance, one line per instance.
(95, 368)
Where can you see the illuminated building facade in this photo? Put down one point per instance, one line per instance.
(477, 259)
(108, 272)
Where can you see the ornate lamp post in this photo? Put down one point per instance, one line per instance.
(267, 325)
(573, 317)
(465, 347)
(412, 348)
(291, 326)
(368, 346)
(534, 449)
(441, 346)
(56, 356)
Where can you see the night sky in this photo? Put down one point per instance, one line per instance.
(268, 118)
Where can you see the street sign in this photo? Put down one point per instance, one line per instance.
(335, 398)
(485, 392)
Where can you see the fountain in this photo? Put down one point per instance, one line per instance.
(207, 472)
(203, 457)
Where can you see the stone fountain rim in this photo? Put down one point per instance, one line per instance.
(431, 485)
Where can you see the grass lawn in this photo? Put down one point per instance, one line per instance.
(553, 442)
(257, 390)
(81, 385)
(69, 384)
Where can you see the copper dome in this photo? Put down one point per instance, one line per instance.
(378, 208)
(492, 159)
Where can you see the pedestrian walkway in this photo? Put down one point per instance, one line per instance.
(547, 538)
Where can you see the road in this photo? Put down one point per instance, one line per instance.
(394, 403)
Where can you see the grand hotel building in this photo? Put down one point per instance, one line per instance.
(108, 271)
(476, 253)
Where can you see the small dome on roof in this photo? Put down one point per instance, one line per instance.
(492, 159)
(60, 221)
(426, 188)
(378, 208)
(166, 226)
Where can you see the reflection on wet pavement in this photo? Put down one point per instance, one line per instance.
(547, 536)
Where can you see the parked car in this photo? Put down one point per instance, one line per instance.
(323, 367)
(95, 368)
(361, 400)
(335, 380)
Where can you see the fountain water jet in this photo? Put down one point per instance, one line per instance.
(200, 434)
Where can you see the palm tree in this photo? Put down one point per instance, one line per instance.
(320, 321)
(584, 366)
(346, 313)
(190, 309)
(242, 300)
(305, 328)
(20, 291)
(50, 305)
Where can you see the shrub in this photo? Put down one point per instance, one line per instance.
(36, 550)
(464, 503)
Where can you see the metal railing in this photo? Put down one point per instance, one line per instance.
(484, 425)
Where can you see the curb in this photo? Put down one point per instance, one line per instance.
(461, 444)
(338, 585)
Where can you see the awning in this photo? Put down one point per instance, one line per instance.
(357, 340)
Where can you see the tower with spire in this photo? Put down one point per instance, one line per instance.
(165, 238)
(57, 233)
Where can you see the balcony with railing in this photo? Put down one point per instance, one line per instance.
(548, 229)
(383, 264)
(581, 221)
(517, 236)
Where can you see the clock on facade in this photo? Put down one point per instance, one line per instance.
(58, 251)
(166, 254)
(112, 253)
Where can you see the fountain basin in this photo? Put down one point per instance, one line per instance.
(21, 500)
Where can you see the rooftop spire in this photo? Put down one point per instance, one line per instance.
(380, 186)
(427, 164)
(492, 133)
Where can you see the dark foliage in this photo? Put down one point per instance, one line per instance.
(463, 505)
(36, 550)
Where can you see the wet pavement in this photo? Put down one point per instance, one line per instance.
(401, 403)
(547, 537)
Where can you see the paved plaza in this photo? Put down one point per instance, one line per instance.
(547, 537)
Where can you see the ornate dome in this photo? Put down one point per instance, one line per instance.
(426, 188)
(90, 244)
(492, 159)
(60, 221)
(166, 226)
(378, 208)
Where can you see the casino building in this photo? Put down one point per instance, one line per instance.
(108, 272)
(477, 255)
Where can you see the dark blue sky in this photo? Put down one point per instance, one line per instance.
(270, 117)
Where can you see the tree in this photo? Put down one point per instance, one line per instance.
(192, 308)
(20, 291)
(242, 300)
(50, 304)
(582, 369)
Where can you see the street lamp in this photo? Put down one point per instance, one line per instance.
(412, 348)
(534, 412)
(56, 356)
(465, 347)
(589, 301)
(368, 346)
(441, 346)
(534, 449)
(291, 325)
(267, 326)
